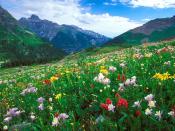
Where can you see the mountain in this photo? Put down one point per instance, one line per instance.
(19, 46)
(155, 30)
(69, 38)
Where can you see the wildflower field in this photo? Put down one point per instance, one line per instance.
(124, 89)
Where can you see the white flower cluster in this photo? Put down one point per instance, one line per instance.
(112, 68)
(102, 79)
(56, 120)
(128, 82)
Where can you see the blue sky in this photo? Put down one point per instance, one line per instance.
(126, 10)
(107, 17)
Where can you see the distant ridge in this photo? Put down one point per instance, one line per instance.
(153, 31)
(68, 37)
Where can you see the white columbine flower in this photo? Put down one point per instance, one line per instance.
(127, 82)
(122, 65)
(121, 85)
(32, 117)
(112, 69)
(171, 113)
(100, 119)
(111, 107)
(1, 82)
(152, 104)
(50, 99)
(101, 79)
(167, 63)
(55, 121)
(7, 119)
(137, 104)
(5, 128)
(158, 115)
(149, 97)
(133, 80)
(106, 81)
(148, 111)
(63, 116)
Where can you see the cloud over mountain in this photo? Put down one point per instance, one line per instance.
(72, 13)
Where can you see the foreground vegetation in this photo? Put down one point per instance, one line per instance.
(122, 89)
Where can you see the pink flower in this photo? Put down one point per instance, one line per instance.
(41, 100)
(112, 69)
(149, 97)
(7, 119)
(63, 116)
(41, 107)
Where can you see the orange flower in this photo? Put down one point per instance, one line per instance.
(47, 82)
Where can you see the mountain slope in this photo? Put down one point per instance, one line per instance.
(153, 31)
(19, 46)
(69, 38)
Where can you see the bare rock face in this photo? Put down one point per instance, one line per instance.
(42, 28)
(153, 31)
(68, 37)
(155, 25)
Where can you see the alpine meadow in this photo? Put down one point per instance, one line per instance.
(82, 65)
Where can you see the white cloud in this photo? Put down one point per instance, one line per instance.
(145, 3)
(146, 20)
(151, 3)
(70, 12)
(110, 3)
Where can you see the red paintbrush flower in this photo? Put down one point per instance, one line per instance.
(117, 95)
(118, 78)
(92, 86)
(108, 105)
(47, 82)
(123, 78)
(108, 101)
(164, 49)
(137, 113)
(122, 103)
(104, 106)
(56, 115)
(173, 108)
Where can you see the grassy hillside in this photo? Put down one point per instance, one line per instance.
(21, 47)
(122, 89)
(139, 38)
(153, 31)
(20, 35)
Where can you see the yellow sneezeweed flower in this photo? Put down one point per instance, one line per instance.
(62, 73)
(78, 77)
(164, 76)
(102, 67)
(58, 96)
(67, 71)
(89, 64)
(103, 70)
(148, 55)
(53, 78)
